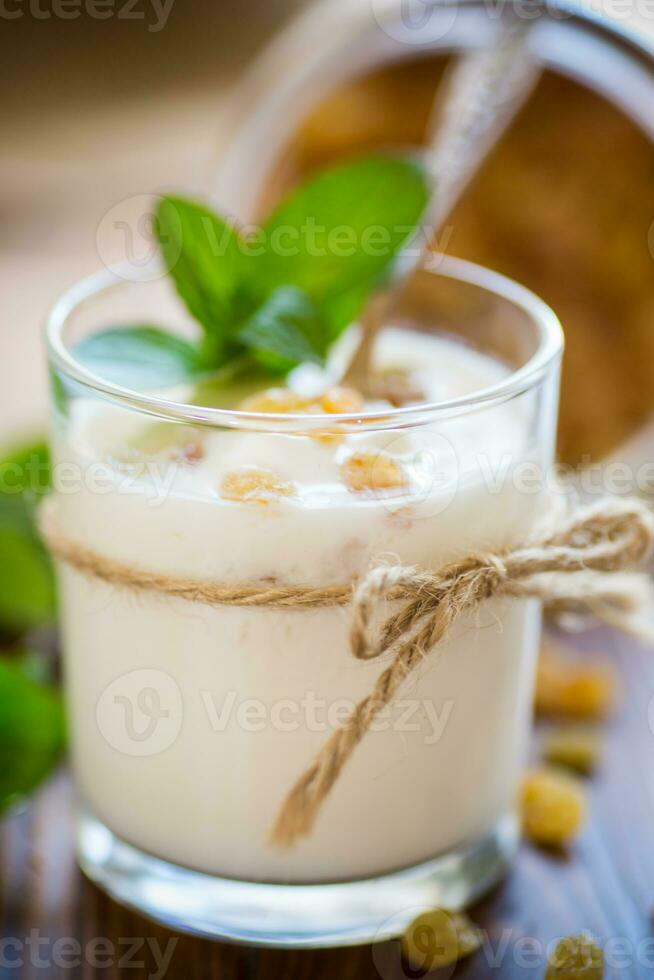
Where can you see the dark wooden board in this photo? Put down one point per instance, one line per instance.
(605, 885)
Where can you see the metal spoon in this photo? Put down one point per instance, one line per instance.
(477, 100)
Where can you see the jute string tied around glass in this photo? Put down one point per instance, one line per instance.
(582, 563)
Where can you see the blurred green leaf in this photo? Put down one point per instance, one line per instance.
(27, 592)
(25, 471)
(32, 733)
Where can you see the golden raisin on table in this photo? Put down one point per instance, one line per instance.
(575, 747)
(439, 938)
(372, 471)
(254, 486)
(577, 957)
(574, 688)
(553, 807)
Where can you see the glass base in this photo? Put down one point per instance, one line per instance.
(291, 916)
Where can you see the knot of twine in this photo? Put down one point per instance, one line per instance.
(580, 566)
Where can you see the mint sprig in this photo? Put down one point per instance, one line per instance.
(278, 297)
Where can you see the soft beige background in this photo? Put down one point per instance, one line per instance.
(92, 114)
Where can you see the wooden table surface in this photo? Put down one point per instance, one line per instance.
(56, 924)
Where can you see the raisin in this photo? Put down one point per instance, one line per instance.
(438, 938)
(275, 400)
(342, 401)
(395, 386)
(577, 957)
(372, 471)
(254, 486)
(337, 400)
(553, 807)
(575, 747)
(574, 688)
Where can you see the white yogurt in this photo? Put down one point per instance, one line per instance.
(252, 694)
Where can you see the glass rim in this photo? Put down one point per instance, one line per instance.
(548, 350)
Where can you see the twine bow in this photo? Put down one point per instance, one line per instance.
(580, 566)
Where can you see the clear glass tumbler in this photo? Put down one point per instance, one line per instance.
(191, 720)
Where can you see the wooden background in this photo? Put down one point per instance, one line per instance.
(605, 884)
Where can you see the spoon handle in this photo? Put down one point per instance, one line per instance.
(479, 97)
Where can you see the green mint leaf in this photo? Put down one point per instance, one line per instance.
(207, 261)
(229, 386)
(339, 233)
(25, 472)
(333, 240)
(341, 309)
(32, 733)
(140, 357)
(285, 331)
(27, 593)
